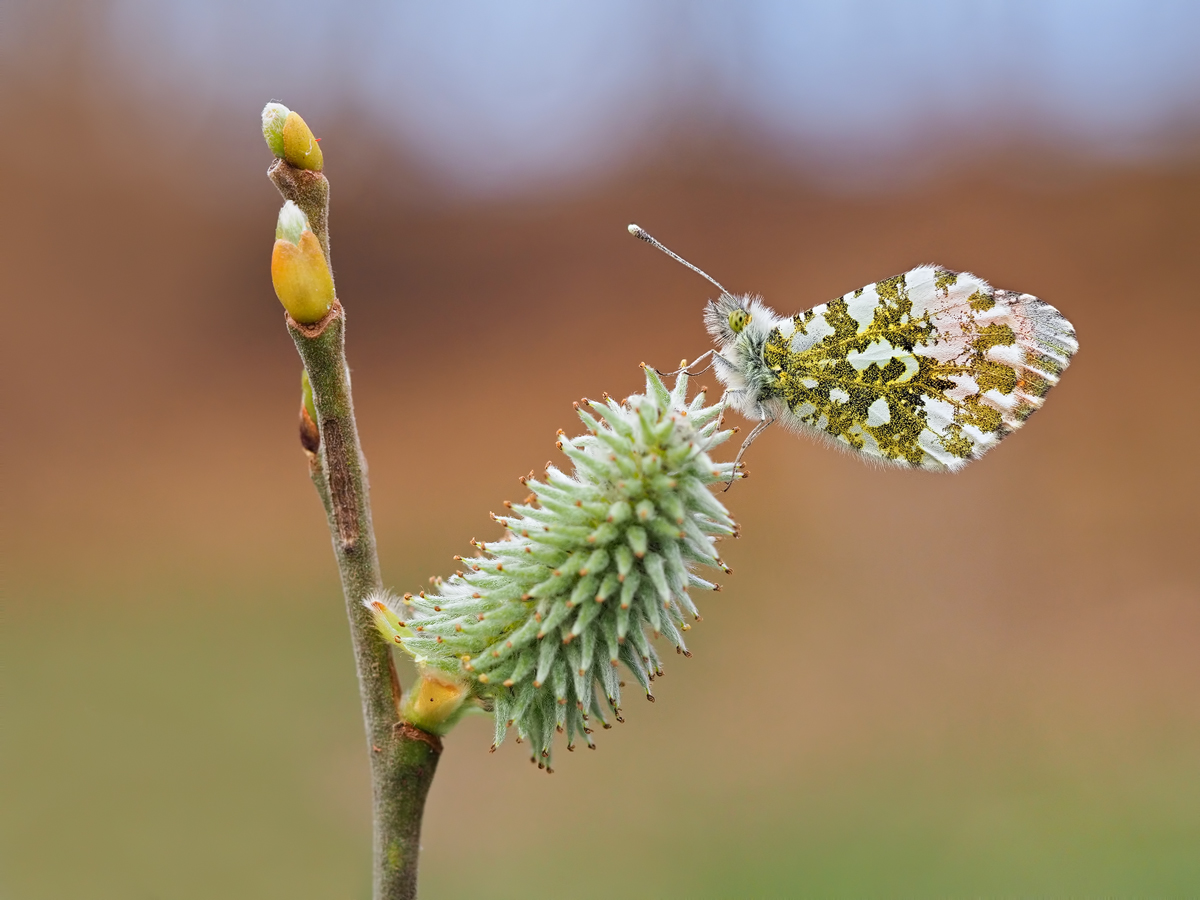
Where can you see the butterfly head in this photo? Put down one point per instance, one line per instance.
(732, 319)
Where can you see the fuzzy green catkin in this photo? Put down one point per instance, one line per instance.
(539, 620)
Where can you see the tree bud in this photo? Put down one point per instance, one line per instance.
(435, 702)
(299, 272)
(300, 148)
(273, 117)
(310, 434)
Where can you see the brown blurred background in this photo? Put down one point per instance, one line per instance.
(984, 684)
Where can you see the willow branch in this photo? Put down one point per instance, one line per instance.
(403, 758)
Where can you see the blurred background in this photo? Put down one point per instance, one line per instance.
(985, 684)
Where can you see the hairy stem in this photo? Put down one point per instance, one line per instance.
(310, 191)
(403, 758)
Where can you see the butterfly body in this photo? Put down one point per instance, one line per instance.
(929, 369)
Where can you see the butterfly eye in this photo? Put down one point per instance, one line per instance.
(738, 320)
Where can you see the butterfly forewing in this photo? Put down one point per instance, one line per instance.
(931, 368)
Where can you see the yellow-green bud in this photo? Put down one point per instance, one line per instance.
(306, 395)
(435, 702)
(299, 272)
(300, 148)
(310, 434)
(273, 117)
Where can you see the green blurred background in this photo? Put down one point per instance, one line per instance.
(978, 685)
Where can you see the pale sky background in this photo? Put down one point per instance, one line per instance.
(499, 96)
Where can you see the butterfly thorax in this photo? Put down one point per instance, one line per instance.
(741, 363)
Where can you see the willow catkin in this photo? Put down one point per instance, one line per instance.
(592, 566)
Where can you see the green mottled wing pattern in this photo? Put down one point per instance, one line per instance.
(931, 368)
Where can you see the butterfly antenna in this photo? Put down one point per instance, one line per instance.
(643, 235)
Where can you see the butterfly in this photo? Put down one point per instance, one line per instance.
(929, 369)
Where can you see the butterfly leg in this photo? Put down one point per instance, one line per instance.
(694, 361)
(755, 432)
(724, 400)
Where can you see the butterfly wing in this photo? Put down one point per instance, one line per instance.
(931, 368)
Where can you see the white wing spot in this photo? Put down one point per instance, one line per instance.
(839, 395)
(881, 352)
(862, 307)
(879, 413)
